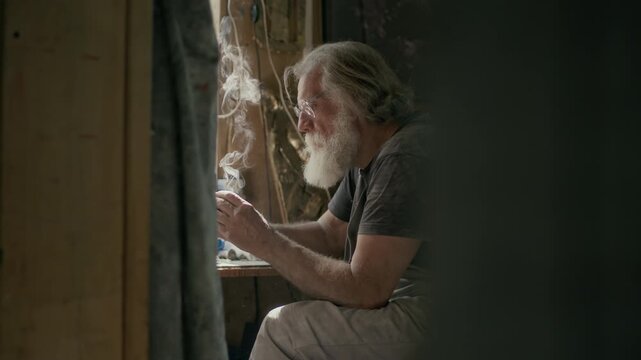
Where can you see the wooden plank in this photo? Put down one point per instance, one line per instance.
(62, 180)
(247, 271)
(313, 24)
(2, 63)
(137, 179)
(261, 188)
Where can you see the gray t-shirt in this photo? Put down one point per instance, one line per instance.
(390, 197)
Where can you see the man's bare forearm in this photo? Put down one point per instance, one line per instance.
(321, 276)
(310, 235)
(360, 283)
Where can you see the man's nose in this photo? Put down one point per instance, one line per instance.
(305, 123)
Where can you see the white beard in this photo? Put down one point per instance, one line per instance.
(331, 157)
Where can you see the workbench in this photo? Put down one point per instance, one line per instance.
(244, 268)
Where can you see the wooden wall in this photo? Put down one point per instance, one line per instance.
(262, 188)
(247, 300)
(74, 186)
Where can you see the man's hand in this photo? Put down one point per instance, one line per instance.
(366, 282)
(240, 223)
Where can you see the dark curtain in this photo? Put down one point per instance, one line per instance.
(536, 110)
(186, 310)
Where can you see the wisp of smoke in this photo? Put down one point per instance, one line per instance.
(238, 89)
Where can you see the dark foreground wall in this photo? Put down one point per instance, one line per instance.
(537, 166)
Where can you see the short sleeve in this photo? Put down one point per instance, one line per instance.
(341, 203)
(396, 197)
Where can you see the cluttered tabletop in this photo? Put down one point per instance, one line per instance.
(234, 262)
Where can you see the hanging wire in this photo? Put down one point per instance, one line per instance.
(271, 63)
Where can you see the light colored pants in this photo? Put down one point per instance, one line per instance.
(322, 330)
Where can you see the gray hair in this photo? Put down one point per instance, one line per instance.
(356, 75)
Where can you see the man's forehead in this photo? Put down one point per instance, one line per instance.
(309, 84)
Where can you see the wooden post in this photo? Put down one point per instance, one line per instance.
(74, 204)
(137, 179)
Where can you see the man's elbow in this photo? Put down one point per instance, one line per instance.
(373, 300)
(372, 305)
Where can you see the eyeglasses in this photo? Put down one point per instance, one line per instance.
(307, 106)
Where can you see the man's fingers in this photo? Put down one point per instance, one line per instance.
(229, 196)
(224, 206)
(222, 230)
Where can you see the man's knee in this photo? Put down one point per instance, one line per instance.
(283, 319)
(271, 323)
(274, 339)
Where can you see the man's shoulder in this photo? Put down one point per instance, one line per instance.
(413, 138)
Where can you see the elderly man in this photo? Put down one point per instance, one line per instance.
(364, 258)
